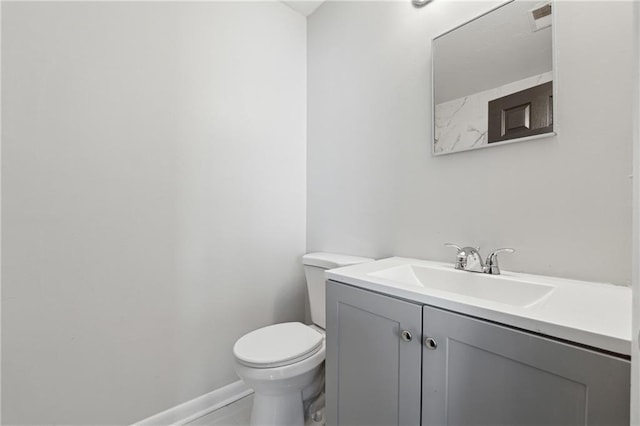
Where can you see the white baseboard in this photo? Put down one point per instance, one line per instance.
(198, 407)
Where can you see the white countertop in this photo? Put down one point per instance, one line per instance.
(593, 314)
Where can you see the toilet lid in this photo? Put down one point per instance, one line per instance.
(277, 345)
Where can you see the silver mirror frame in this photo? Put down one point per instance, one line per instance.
(496, 144)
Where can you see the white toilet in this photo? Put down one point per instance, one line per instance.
(284, 363)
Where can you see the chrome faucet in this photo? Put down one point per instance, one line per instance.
(469, 259)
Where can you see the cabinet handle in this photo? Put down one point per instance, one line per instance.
(406, 336)
(430, 343)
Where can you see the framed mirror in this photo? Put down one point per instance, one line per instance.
(493, 79)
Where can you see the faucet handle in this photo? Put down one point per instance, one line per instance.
(459, 261)
(453, 246)
(491, 265)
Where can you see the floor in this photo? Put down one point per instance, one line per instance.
(236, 414)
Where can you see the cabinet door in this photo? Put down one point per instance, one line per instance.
(372, 373)
(486, 374)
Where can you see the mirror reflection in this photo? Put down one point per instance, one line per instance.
(493, 79)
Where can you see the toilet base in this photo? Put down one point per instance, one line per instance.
(277, 410)
(285, 403)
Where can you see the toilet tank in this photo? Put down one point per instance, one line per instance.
(314, 266)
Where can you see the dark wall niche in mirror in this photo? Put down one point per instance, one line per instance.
(493, 79)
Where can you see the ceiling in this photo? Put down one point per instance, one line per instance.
(304, 7)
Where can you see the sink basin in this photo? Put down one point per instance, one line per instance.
(589, 313)
(495, 288)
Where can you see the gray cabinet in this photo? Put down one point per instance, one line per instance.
(458, 370)
(487, 374)
(372, 369)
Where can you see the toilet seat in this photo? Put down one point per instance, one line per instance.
(277, 345)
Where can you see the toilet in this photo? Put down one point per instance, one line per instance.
(284, 363)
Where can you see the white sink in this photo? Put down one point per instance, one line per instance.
(593, 314)
(509, 290)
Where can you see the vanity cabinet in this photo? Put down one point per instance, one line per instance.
(482, 373)
(372, 368)
(458, 370)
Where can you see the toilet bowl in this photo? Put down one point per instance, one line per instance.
(281, 380)
(284, 363)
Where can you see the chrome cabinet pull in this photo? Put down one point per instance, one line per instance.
(406, 335)
(430, 343)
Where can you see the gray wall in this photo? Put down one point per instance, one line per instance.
(153, 195)
(373, 188)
